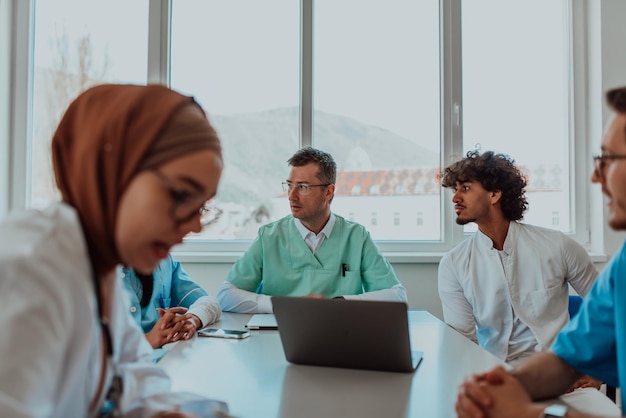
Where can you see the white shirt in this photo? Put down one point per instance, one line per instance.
(51, 344)
(522, 341)
(483, 295)
(314, 241)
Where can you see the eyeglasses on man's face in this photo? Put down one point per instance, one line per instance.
(185, 205)
(600, 163)
(301, 188)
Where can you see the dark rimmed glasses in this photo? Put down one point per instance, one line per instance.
(301, 188)
(599, 163)
(185, 205)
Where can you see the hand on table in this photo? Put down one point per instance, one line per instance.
(494, 394)
(191, 324)
(171, 327)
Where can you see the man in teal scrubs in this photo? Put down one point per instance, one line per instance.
(313, 252)
(594, 341)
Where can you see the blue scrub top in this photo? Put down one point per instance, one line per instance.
(172, 288)
(594, 341)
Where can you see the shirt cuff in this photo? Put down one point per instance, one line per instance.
(265, 304)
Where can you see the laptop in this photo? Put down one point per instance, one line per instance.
(262, 321)
(345, 333)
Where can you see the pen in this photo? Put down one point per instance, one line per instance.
(161, 301)
(344, 268)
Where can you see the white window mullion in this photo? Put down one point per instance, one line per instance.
(451, 108)
(580, 161)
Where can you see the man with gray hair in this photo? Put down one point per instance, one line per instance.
(312, 252)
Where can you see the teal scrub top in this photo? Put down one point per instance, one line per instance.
(279, 263)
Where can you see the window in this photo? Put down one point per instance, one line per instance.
(408, 89)
(76, 47)
(376, 105)
(516, 95)
(365, 111)
(241, 61)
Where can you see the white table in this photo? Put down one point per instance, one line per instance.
(255, 379)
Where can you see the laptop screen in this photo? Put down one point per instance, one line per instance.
(345, 333)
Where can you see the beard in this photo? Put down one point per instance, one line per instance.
(464, 221)
(617, 214)
(616, 222)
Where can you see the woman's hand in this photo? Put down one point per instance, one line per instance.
(168, 328)
(190, 324)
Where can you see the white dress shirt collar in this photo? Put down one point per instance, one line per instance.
(312, 240)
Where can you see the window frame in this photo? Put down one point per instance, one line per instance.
(6, 114)
(17, 76)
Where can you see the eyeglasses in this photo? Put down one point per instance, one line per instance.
(185, 205)
(600, 164)
(301, 188)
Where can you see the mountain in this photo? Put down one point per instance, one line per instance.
(257, 146)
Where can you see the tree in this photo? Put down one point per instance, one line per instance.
(73, 69)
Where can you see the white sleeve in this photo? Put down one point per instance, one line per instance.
(207, 308)
(581, 272)
(457, 311)
(43, 329)
(233, 299)
(141, 378)
(397, 293)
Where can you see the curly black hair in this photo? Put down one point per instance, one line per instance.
(495, 172)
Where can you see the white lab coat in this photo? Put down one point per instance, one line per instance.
(50, 345)
(481, 293)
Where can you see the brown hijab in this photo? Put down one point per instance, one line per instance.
(105, 138)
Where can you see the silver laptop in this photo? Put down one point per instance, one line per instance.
(345, 333)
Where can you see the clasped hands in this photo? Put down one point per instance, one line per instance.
(173, 325)
(497, 393)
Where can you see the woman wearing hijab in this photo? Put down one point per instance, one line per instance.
(135, 166)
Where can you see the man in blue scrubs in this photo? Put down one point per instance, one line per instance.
(312, 252)
(594, 341)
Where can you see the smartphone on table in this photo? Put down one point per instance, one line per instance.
(223, 333)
